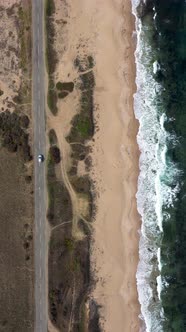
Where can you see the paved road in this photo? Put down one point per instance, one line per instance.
(39, 147)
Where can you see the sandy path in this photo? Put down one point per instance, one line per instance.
(115, 156)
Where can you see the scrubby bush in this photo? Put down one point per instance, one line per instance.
(55, 154)
(63, 94)
(52, 137)
(67, 86)
(24, 121)
(13, 136)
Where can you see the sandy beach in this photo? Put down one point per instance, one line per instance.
(115, 160)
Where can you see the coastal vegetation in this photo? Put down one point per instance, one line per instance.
(16, 176)
(70, 198)
(68, 283)
(83, 122)
(71, 282)
(51, 55)
(13, 135)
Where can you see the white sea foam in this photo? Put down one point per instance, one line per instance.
(159, 286)
(156, 67)
(155, 179)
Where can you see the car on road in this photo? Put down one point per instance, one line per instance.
(40, 158)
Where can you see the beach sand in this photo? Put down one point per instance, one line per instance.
(115, 170)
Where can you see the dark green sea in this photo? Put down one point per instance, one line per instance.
(160, 107)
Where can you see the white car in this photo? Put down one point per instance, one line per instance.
(40, 158)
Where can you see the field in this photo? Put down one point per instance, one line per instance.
(16, 169)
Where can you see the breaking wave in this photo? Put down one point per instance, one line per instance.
(155, 190)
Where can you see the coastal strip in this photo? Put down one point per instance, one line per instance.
(115, 170)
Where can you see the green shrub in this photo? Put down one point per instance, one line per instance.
(84, 63)
(13, 136)
(50, 7)
(55, 154)
(52, 97)
(67, 86)
(52, 137)
(69, 244)
(24, 121)
(62, 94)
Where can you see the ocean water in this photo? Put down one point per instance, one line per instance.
(160, 107)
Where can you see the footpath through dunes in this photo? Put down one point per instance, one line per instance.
(70, 128)
(16, 169)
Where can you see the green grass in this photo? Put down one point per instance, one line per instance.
(83, 127)
(52, 97)
(50, 7)
(51, 56)
(25, 51)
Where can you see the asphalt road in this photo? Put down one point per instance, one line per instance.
(38, 99)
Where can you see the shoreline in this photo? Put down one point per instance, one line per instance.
(115, 172)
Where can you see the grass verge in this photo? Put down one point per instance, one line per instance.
(51, 55)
